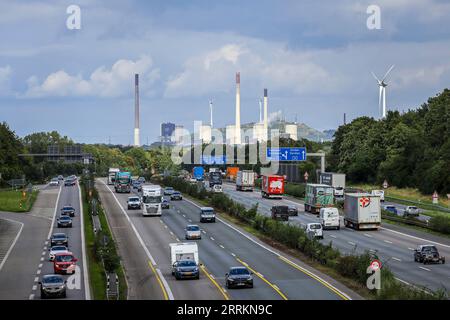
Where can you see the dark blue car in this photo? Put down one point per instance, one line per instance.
(392, 209)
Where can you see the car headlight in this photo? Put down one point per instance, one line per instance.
(61, 287)
(230, 279)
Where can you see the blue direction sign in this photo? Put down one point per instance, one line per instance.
(286, 154)
(214, 159)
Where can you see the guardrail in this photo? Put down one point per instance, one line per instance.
(423, 224)
(419, 204)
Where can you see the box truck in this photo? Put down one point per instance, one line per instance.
(272, 186)
(151, 200)
(245, 180)
(112, 175)
(232, 173)
(336, 180)
(122, 182)
(362, 211)
(318, 196)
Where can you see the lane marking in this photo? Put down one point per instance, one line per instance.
(305, 271)
(46, 242)
(166, 289)
(43, 253)
(87, 289)
(397, 259)
(40, 265)
(34, 288)
(387, 241)
(213, 280)
(39, 271)
(36, 279)
(54, 213)
(367, 235)
(351, 243)
(12, 244)
(312, 275)
(159, 280)
(221, 246)
(31, 297)
(263, 279)
(417, 238)
(411, 249)
(233, 254)
(212, 238)
(333, 236)
(42, 259)
(203, 231)
(426, 269)
(45, 247)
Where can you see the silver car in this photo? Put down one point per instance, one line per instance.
(411, 211)
(193, 232)
(52, 285)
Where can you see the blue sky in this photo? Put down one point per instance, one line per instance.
(315, 58)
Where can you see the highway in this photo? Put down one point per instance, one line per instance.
(276, 276)
(393, 244)
(28, 260)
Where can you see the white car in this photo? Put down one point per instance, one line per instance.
(193, 232)
(217, 188)
(55, 250)
(314, 230)
(54, 182)
(411, 211)
(379, 193)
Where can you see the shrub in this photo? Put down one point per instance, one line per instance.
(440, 223)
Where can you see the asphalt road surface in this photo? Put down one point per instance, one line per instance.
(222, 246)
(28, 260)
(393, 244)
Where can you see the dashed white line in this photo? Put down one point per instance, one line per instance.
(45, 247)
(178, 240)
(204, 232)
(351, 243)
(46, 242)
(40, 265)
(171, 232)
(411, 249)
(189, 220)
(184, 215)
(212, 238)
(396, 259)
(221, 246)
(333, 236)
(42, 259)
(38, 272)
(426, 269)
(387, 241)
(36, 279)
(34, 288)
(165, 226)
(43, 253)
(367, 235)
(31, 296)
(233, 254)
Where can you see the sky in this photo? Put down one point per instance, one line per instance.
(315, 58)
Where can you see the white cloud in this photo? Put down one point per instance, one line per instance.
(5, 81)
(262, 64)
(103, 82)
(422, 75)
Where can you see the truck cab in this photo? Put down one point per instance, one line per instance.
(329, 218)
(151, 199)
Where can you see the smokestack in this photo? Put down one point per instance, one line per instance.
(260, 111)
(345, 120)
(211, 111)
(265, 116)
(136, 111)
(238, 109)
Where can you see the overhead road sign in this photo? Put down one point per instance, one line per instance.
(286, 154)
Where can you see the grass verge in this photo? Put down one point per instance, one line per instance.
(13, 201)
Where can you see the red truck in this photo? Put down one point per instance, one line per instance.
(272, 186)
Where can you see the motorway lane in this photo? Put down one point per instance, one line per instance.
(285, 281)
(393, 248)
(156, 237)
(76, 283)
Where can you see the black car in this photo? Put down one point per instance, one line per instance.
(68, 211)
(183, 269)
(239, 277)
(293, 210)
(428, 254)
(280, 212)
(137, 185)
(69, 182)
(52, 285)
(176, 195)
(64, 221)
(165, 204)
(59, 239)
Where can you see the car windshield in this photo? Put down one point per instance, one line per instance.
(239, 271)
(59, 236)
(64, 218)
(64, 258)
(59, 248)
(152, 199)
(176, 193)
(193, 228)
(133, 199)
(52, 279)
(207, 212)
(169, 188)
(413, 208)
(67, 208)
(186, 263)
(430, 249)
(315, 226)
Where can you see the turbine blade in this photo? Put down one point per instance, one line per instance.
(390, 69)
(373, 74)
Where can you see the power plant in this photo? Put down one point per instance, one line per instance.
(136, 111)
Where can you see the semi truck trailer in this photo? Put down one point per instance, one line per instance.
(245, 180)
(362, 211)
(318, 196)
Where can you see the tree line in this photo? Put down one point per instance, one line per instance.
(411, 149)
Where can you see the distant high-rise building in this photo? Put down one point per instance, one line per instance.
(167, 130)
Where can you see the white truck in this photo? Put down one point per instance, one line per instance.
(245, 180)
(362, 211)
(112, 175)
(335, 180)
(379, 193)
(151, 200)
(329, 218)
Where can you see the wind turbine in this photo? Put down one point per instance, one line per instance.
(211, 111)
(382, 93)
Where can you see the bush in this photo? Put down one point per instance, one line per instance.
(440, 223)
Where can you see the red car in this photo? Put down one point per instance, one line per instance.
(64, 262)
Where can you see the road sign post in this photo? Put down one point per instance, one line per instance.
(385, 184)
(306, 176)
(435, 197)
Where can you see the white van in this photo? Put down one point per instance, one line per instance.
(378, 193)
(217, 188)
(329, 218)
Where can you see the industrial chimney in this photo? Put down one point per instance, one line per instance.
(266, 125)
(237, 136)
(136, 111)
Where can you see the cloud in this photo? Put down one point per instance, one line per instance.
(261, 64)
(103, 82)
(5, 81)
